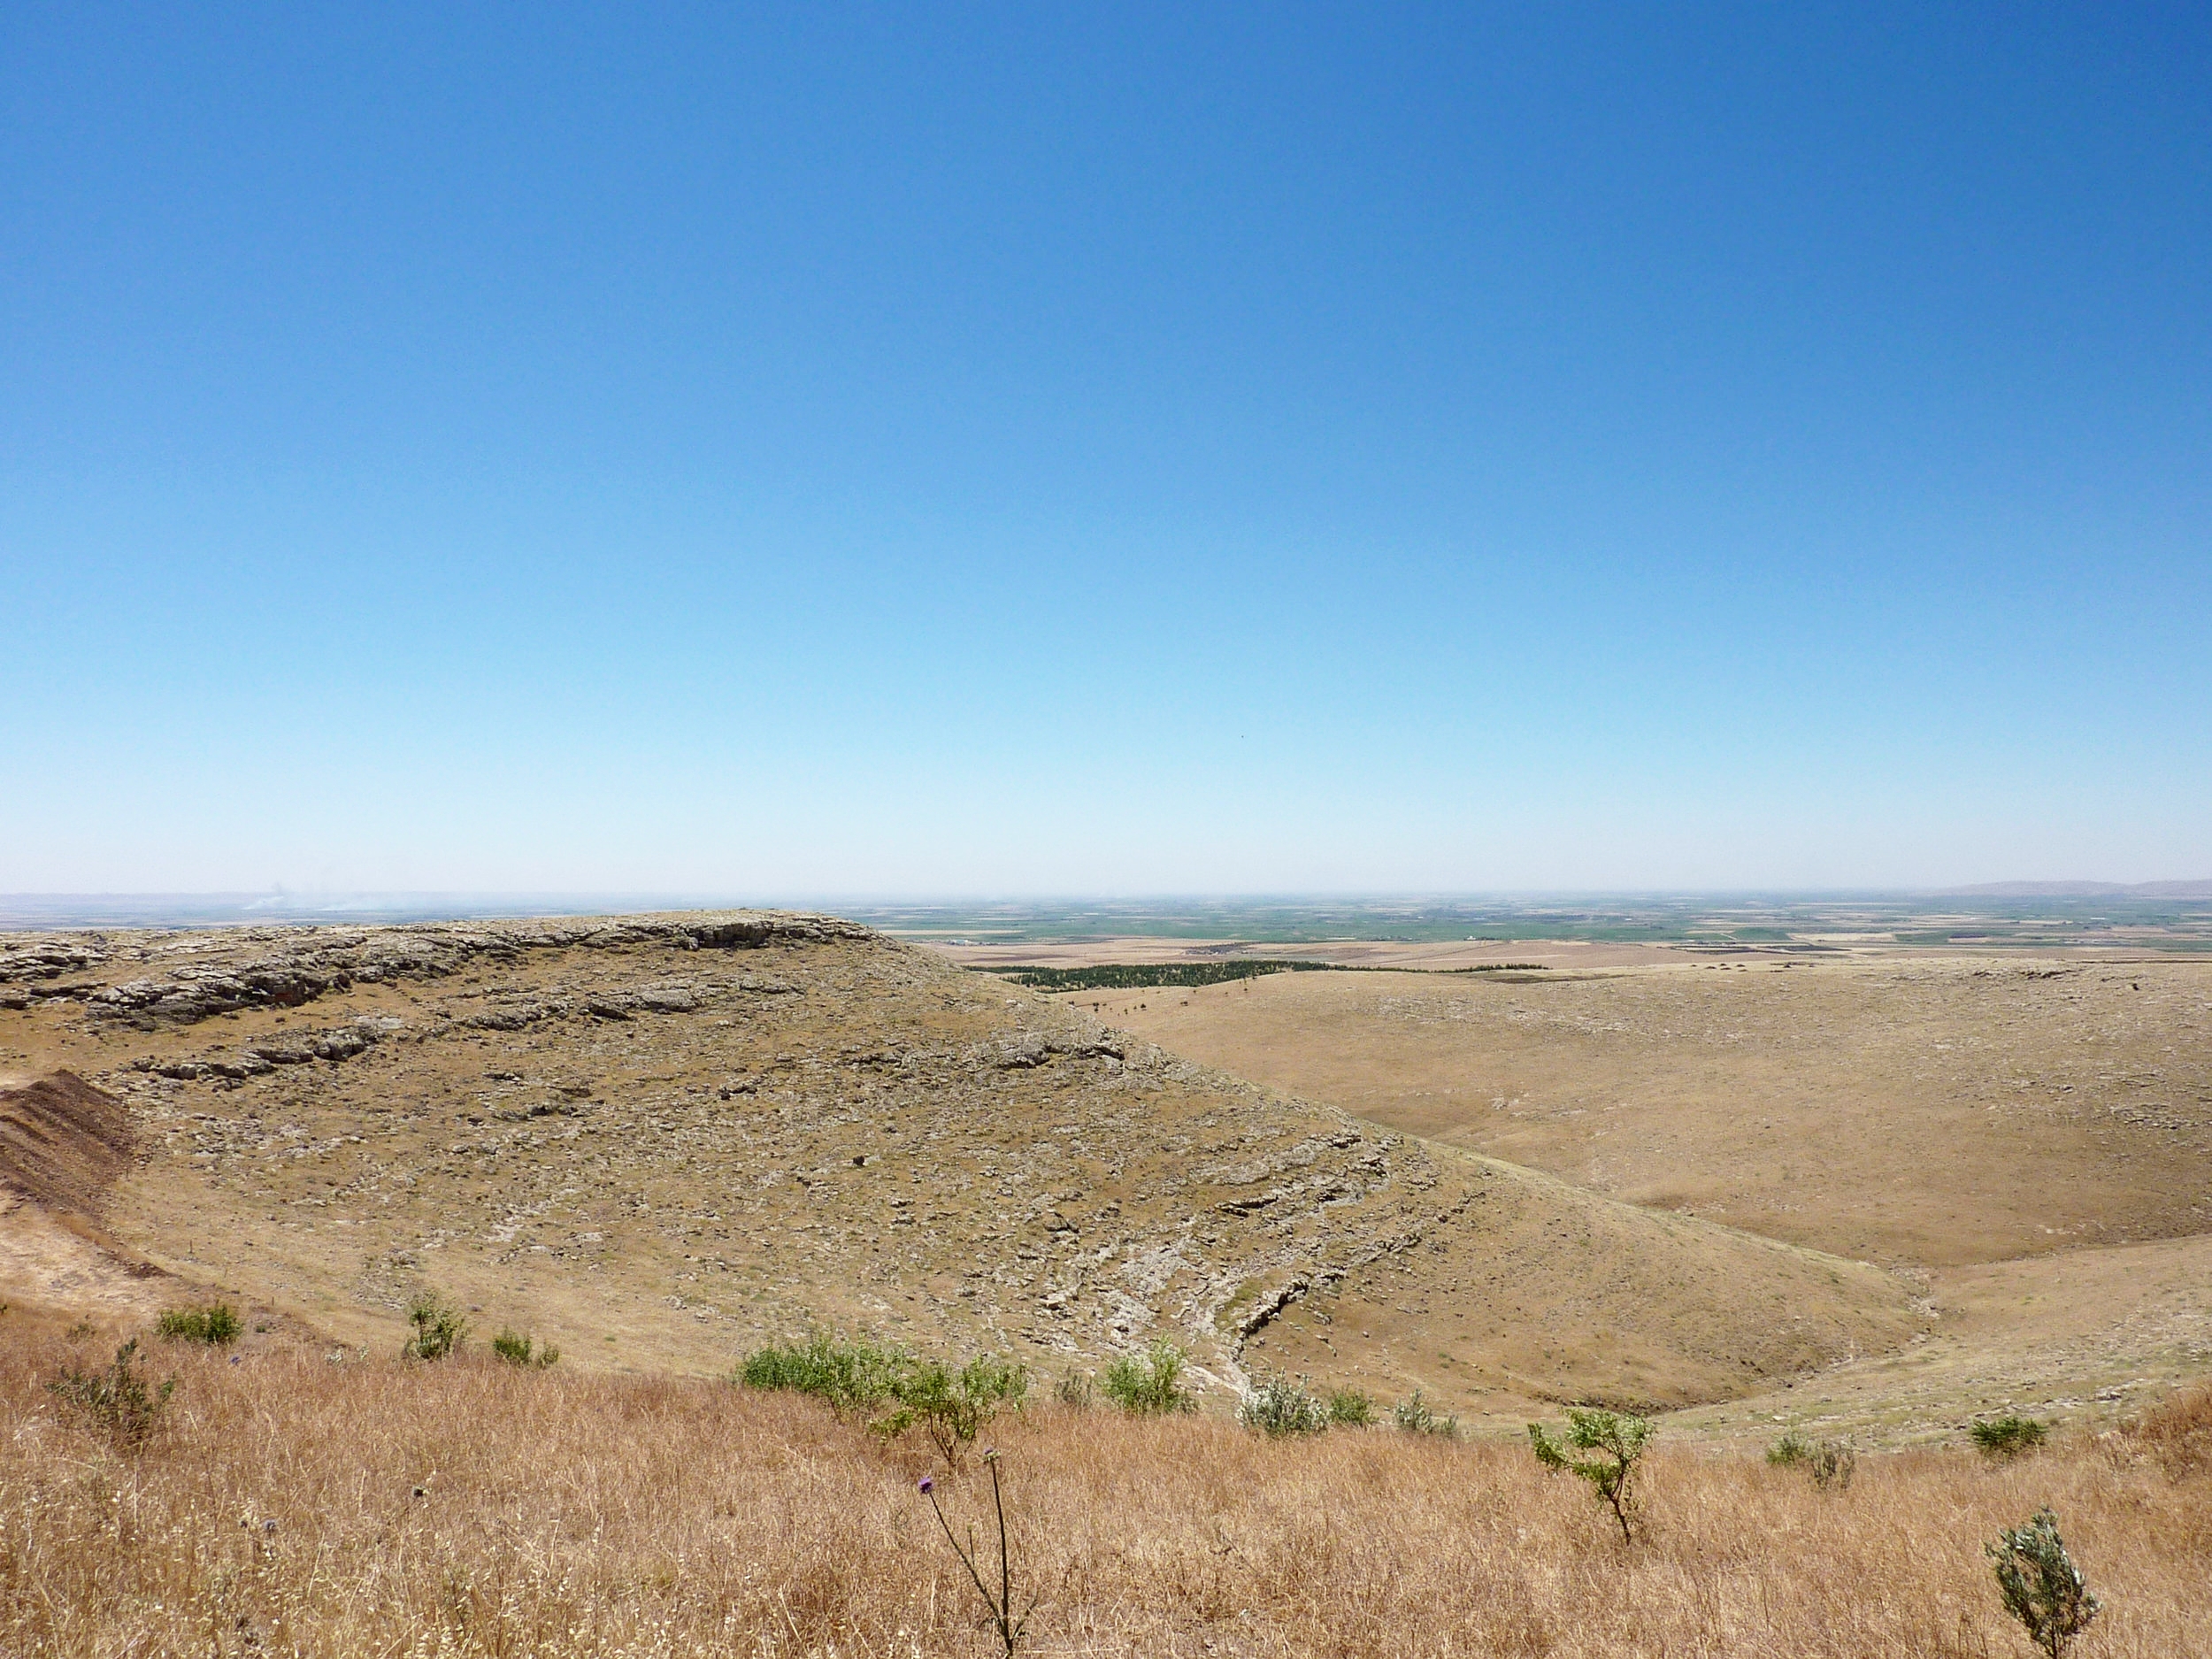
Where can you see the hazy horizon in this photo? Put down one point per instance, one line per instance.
(2024, 912)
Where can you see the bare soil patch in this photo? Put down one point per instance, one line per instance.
(62, 1142)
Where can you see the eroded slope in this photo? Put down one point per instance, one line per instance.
(658, 1140)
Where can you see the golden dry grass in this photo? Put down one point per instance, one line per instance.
(560, 1514)
(2178, 1432)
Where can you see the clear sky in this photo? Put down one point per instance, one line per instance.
(970, 450)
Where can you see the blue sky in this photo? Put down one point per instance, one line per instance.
(960, 451)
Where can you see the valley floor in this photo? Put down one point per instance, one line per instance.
(2027, 1139)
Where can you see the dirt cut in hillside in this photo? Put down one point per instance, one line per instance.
(62, 1143)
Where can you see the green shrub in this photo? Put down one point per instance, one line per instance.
(516, 1348)
(2041, 1585)
(117, 1398)
(1830, 1463)
(1280, 1407)
(1077, 1389)
(1618, 1438)
(856, 1376)
(1350, 1408)
(439, 1329)
(1151, 1385)
(2008, 1436)
(1134, 976)
(849, 1376)
(1416, 1417)
(951, 1406)
(216, 1324)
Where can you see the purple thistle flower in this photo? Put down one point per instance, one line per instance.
(928, 1484)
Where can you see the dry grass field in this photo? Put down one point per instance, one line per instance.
(1913, 1111)
(291, 1505)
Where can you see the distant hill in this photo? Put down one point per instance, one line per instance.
(2082, 890)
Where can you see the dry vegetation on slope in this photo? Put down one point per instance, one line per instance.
(1996, 1127)
(294, 1507)
(1907, 1109)
(659, 1139)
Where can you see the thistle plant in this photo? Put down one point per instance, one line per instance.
(117, 1398)
(2041, 1586)
(1618, 1439)
(998, 1604)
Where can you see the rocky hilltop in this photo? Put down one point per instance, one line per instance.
(658, 1139)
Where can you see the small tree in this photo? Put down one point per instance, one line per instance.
(2008, 1436)
(1619, 1437)
(216, 1324)
(1416, 1415)
(952, 1406)
(1350, 1408)
(1830, 1463)
(2041, 1587)
(439, 1328)
(117, 1398)
(850, 1376)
